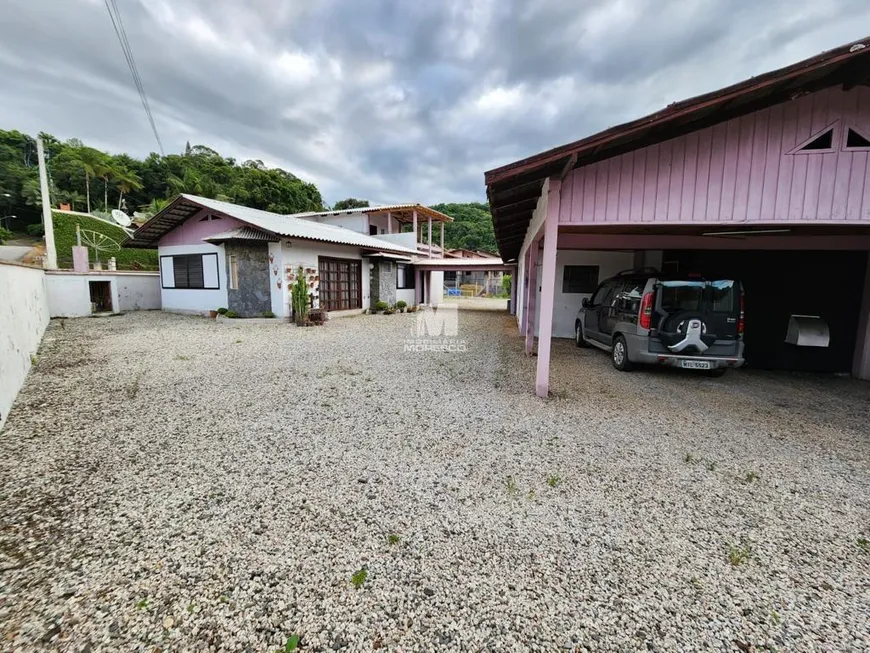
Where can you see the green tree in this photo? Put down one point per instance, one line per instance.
(126, 181)
(471, 227)
(350, 203)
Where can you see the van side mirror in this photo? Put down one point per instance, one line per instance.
(585, 302)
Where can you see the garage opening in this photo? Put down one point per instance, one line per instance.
(779, 284)
(340, 283)
(101, 296)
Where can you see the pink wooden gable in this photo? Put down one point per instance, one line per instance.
(194, 229)
(739, 171)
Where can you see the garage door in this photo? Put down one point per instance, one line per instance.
(340, 284)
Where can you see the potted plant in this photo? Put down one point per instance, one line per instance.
(381, 307)
(401, 305)
(299, 299)
(213, 315)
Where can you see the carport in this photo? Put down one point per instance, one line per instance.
(767, 181)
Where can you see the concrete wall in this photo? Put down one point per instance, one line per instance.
(566, 305)
(190, 300)
(406, 295)
(23, 320)
(253, 297)
(69, 293)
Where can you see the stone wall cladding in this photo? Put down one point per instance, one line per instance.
(253, 296)
(383, 282)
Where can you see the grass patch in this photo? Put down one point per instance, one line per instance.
(179, 357)
(142, 604)
(750, 477)
(740, 554)
(511, 486)
(127, 259)
(291, 645)
(393, 539)
(553, 480)
(359, 577)
(863, 544)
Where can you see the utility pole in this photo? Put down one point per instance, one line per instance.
(50, 261)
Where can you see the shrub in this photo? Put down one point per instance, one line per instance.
(5, 235)
(268, 314)
(359, 577)
(231, 314)
(36, 229)
(381, 306)
(389, 311)
(222, 310)
(299, 297)
(401, 305)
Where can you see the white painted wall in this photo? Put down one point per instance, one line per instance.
(380, 221)
(69, 294)
(188, 300)
(22, 322)
(406, 296)
(296, 253)
(437, 288)
(358, 222)
(566, 305)
(407, 239)
(276, 277)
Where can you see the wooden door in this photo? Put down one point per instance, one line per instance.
(340, 284)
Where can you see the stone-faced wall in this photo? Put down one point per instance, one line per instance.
(253, 296)
(383, 282)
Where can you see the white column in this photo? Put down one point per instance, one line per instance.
(548, 288)
(416, 235)
(442, 239)
(430, 236)
(47, 222)
(389, 222)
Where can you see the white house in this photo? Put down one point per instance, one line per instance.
(216, 254)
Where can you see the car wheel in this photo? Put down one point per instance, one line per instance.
(716, 372)
(579, 340)
(619, 355)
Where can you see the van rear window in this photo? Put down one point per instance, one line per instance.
(702, 296)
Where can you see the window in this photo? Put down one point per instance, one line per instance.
(629, 296)
(233, 264)
(601, 294)
(404, 276)
(189, 271)
(823, 142)
(855, 140)
(580, 279)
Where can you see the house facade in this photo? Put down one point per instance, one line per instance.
(767, 181)
(215, 254)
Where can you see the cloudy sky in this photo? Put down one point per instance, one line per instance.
(390, 100)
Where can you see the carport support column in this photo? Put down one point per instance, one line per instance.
(389, 222)
(531, 296)
(548, 288)
(418, 286)
(514, 282)
(861, 362)
(416, 233)
(430, 236)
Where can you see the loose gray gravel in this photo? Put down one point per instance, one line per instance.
(168, 483)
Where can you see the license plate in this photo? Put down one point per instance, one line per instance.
(696, 365)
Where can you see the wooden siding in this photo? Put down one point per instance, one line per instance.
(737, 171)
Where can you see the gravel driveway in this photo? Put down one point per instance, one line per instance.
(169, 483)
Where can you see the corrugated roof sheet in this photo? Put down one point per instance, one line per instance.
(423, 210)
(286, 226)
(242, 233)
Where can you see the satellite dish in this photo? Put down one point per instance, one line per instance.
(99, 242)
(121, 218)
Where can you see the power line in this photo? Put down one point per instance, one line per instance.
(121, 33)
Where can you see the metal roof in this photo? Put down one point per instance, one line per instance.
(513, 189)
(242, 233)
(401, 212)
(286, 226)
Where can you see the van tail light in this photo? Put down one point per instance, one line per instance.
(741, 320)
(646, 305)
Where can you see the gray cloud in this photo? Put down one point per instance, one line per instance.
(386, 99)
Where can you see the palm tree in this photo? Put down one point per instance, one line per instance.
(106, 169)
(89, 160)
(126, 181)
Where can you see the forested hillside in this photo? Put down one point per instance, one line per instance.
(471, 227)
(97, 182)
(91, 180)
